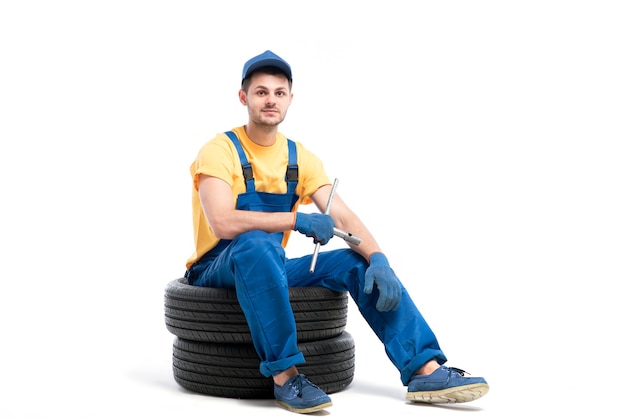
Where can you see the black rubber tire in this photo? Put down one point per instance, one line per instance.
(209, 314)
(232, 370)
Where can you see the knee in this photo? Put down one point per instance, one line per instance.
(347, 267)
(258, 260)
(258, 244)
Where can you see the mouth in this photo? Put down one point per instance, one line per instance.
(270, 112)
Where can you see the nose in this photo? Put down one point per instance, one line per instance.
(270, 99)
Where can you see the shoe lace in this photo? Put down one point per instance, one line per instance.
(298, 383)
(459, 371)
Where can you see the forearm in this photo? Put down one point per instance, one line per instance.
(216, 198)
(236, 222)
(354, 226)
(347, 221)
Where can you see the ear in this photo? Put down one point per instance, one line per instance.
(243, 98)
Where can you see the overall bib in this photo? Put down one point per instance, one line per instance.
(254, 263)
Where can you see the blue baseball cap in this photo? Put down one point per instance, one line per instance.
(266, 59)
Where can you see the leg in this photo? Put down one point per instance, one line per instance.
(254, 265)
(409, 342)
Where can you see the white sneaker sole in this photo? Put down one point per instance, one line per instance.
(457, 394)
(305, 410)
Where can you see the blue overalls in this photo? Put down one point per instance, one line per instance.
(254, 263)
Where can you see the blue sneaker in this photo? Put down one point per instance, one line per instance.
(299, 394)
(446, 385)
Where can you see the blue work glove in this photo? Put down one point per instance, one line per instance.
(320, 227)
(388, 284)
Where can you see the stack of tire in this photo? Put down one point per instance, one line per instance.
(213, 352)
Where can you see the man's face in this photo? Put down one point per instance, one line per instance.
(267, 99)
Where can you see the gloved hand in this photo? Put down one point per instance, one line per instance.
(388, 284)
(316, 225)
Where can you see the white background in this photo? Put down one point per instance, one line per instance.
(481, 141)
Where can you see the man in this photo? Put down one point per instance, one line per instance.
(248, 184)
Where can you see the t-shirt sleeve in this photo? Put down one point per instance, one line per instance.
(215, 159)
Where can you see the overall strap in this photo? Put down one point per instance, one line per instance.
(291, 176)
(245, 165)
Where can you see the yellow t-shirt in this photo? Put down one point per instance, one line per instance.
(219, 158)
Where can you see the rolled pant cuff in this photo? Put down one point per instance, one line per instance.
(272, 368)
(409, 370)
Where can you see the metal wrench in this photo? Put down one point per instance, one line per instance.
(337, 232)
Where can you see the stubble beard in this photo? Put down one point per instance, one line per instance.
(269, 122)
